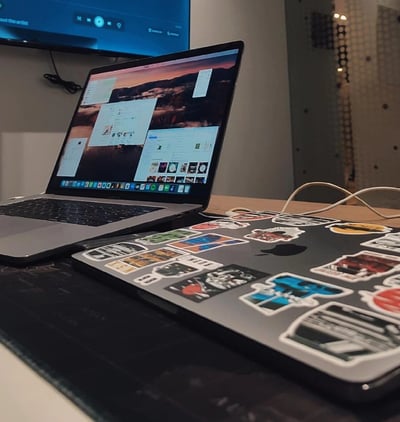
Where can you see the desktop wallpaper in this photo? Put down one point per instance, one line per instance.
(119, 109)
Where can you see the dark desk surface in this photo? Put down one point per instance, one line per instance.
(120, 359)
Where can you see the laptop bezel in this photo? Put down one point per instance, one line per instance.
(200, 193)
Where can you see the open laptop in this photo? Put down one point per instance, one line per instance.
(145, 135)
(315, 297)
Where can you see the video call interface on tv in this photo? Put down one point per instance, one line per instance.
(136, 27)
(148, 128)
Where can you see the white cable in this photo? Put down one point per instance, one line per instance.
(361, 191)
(325, 184)
(349, 195)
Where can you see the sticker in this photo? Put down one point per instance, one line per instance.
(204, 286)
(252, 216)
(147, 279)
(389, 242)
(113, 251)
(301, 220)
(392, 281)
(220, 224)
(120, 267)
(143, 259)
(360, 266)
(181, 266)
(205, 264)
(175, 269)
(286, 290)
(386, 300)
(358, 228)
(344, 334)
(206, 242)
(165, 237)
(275, 234)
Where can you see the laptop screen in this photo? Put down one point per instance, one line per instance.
(152, 126)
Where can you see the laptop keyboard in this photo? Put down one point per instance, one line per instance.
(74, 212)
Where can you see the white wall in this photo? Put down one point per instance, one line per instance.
(257, 157)
(33, 168)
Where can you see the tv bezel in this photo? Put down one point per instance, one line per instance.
(42, 45)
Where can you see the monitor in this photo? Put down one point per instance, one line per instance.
(134, 28)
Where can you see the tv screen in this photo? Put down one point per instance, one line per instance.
(107, 27)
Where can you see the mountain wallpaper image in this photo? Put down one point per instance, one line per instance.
(176, 108)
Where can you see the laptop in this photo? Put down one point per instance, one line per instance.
(145, 138)
(314, 297)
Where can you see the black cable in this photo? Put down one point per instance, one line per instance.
(69, 86)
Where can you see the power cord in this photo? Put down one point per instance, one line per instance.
(349, 195)
(56, 79)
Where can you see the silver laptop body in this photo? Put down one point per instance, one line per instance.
(147, 132)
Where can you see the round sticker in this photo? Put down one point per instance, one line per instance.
(358, 228)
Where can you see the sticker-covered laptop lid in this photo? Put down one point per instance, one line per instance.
(323, 294)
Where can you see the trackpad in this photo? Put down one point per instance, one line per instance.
(17, 225)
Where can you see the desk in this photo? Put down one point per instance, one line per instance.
(219, 204)
(218, 383)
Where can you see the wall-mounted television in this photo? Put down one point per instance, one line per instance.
(106, 27)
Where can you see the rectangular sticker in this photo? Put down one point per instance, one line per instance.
(344, 334)
(389, 242)
(113, 250)
(360, 266)
(286, 290)
(204, 286)
(143, 259)
(205, 242)
(165, 237)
